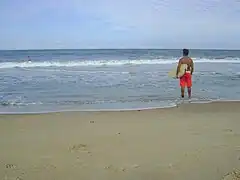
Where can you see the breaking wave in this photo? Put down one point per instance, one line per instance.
(80, 63)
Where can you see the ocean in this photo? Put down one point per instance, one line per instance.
(69, 80)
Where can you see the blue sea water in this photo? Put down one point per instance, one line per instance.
(61, 80)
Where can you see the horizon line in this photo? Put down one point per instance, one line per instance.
(44, 49)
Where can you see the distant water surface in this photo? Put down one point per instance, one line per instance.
(56, 80)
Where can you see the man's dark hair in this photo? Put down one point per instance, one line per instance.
(185, 52)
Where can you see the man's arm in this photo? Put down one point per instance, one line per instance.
(192, 66)
(178, 67)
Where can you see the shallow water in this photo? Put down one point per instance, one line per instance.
(56, 80)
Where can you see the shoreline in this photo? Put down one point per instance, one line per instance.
(122, 110)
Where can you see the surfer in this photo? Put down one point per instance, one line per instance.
(29, 59)
(186, 79)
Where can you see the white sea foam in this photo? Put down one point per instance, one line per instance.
(106, 63)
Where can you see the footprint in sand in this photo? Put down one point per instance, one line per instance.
(44, 167)
(18, 178)
(232, 133)
(135, 166)
(121, 169)
(10, 166)
(228, 130)
(114, 169)
(234, 175)
(79, 148)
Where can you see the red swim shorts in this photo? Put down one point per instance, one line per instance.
(186, 80)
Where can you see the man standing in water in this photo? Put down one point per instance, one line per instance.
(186, 79)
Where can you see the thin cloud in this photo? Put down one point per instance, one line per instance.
(129, 21)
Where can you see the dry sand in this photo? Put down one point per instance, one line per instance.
(190, 142)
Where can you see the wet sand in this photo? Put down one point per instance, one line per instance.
(190, 142)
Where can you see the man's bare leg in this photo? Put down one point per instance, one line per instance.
(182, 91)
(189, 92)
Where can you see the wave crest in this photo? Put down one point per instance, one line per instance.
(106, 63)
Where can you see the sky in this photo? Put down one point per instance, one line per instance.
(77, 24)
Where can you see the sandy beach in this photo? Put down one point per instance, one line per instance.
(189, 142)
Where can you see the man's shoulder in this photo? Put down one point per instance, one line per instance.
(181, 59)
(191, 60)
(186, 58)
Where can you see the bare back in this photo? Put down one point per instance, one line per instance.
(188, 61)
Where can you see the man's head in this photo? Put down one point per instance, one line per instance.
(185, 52)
